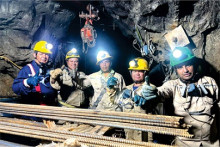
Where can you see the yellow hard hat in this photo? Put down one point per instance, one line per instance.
(138, 64)
(43, 47)
(102, 55)
(72, 54)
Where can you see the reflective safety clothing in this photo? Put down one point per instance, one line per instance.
(43, 94)
(71, 87)
(198, 110)
(99, 84)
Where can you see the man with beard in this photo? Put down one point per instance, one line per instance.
(33, 81)
(99, 82)
(70, 83)
(195, 97)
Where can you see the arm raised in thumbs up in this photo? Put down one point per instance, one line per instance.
(148, 90)
(33, 81)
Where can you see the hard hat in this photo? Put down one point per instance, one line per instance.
(180, 55)
(43, 47)
(102, 55)
(72, 54)
(138, 64)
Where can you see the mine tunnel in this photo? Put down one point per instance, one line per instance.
(109, 73)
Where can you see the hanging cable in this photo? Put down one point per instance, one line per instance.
(8, 60)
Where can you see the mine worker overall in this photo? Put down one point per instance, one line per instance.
(195, 97)
(70, 82)
(129, 100)
(33, 81)
(99, 82)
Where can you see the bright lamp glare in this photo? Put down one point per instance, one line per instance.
(101, 53)
(49, 46)
(74, 50)
(177, 53)
(132, 64)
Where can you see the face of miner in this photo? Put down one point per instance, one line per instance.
(73, 63)
(138, 76)
(41, 57)
(185, 71)
(105, 65)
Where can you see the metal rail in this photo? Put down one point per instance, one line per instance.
(47, 134)
(149, 123)
(170, 121)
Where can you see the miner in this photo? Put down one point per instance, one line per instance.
(33, 80)
(70, 83)
(194, 96)
(99, 82)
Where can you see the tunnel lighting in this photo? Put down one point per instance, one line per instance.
(177, 53)
(74, 50)
(101, 54)
(49, 46)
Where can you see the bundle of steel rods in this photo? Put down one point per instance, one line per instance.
(150, 123)
(34, 130)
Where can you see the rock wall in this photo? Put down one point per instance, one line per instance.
(200, 19)
(22, 23)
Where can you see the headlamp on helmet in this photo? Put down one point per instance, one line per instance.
(180, 55)
(49, 46)
(43, 47)
(72, 54)
(138, 64)
(102, 55)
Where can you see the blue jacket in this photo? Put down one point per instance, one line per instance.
(29, 94)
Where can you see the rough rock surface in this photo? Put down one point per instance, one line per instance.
(200, 19)
(24, 22)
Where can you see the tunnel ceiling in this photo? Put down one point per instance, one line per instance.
(27, 21)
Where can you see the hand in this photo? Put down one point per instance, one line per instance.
(126, 94)
(112, 81)
(33, 81)
(55, 73)
(148, 91)
(139, 101)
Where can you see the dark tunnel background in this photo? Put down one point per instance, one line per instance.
(109, 38)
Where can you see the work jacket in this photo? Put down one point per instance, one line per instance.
(128, 105)
(99, 84)
(71, 90)
(43, 93)
(198, 110)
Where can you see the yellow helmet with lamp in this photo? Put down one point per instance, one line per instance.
(138, 64)
(73, 53)
(43, 47)
(102, 55)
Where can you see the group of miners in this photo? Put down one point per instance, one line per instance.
(194, 96)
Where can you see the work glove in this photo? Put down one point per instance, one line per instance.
(33, 81)
(139, 101)
(55, 73)
(148, 91)
(112, 81)
(126, 94)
